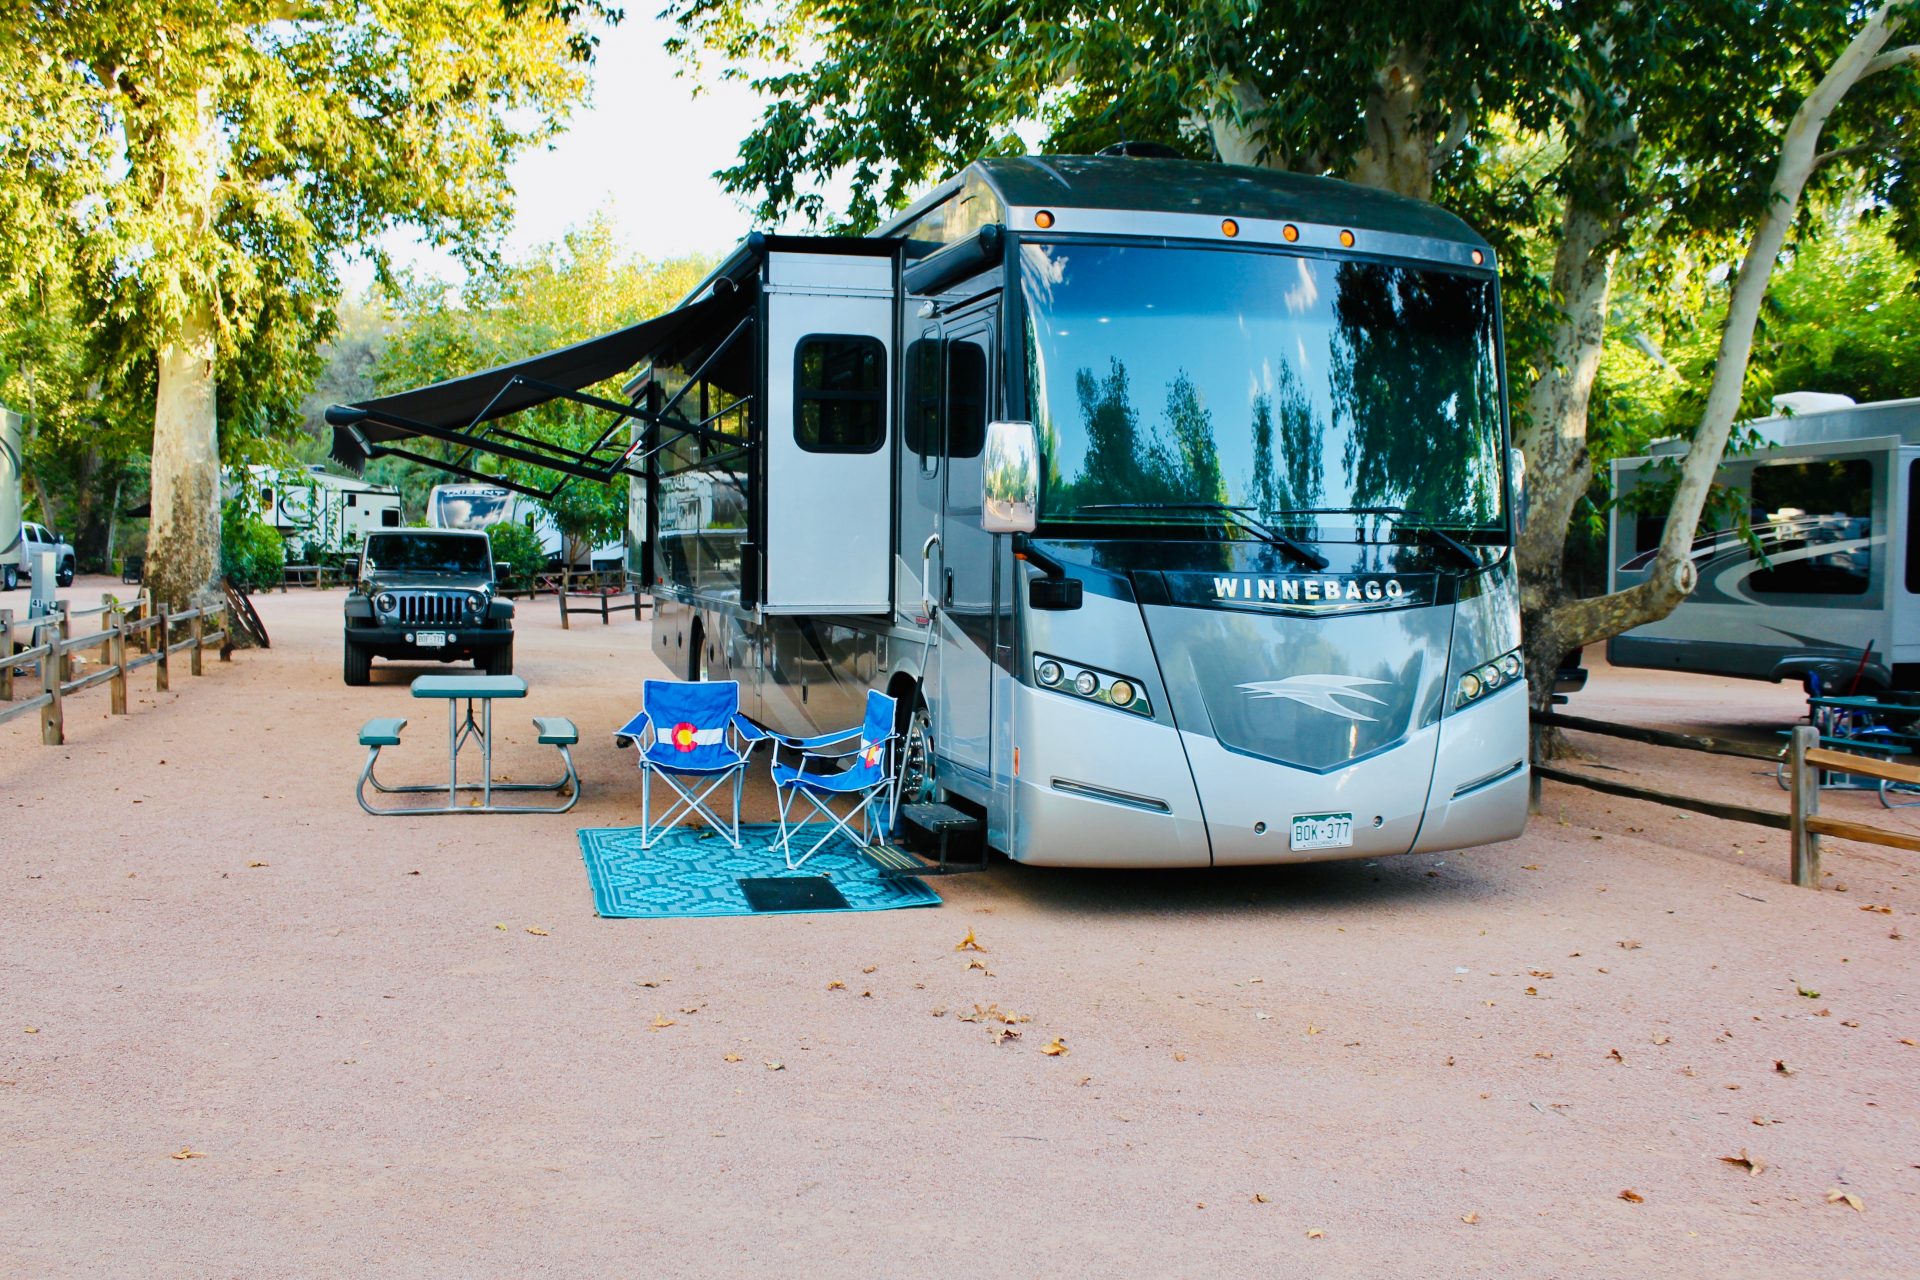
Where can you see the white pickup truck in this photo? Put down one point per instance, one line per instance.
(35, 538)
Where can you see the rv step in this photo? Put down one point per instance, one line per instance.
(942, 821)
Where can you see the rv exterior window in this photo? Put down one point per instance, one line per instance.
(1812, 519)
(390, 518)
(1913, 527)
(921, 426)
(840, 394)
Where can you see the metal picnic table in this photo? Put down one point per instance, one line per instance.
(463, 727)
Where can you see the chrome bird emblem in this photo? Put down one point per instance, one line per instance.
(1319, 692)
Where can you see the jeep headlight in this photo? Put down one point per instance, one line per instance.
(1484, 679)
(476, 602)
(385, 602)
(1122, 693)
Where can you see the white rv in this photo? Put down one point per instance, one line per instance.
(1834, 590)
(1171, 501)
(476, 506)
(313, 508)
(10, 474)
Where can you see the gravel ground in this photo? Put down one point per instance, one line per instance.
(408, 1047)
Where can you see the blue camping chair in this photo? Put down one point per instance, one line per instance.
(866, 777)
(695, 738)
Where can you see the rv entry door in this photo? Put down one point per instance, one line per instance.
(964, 573)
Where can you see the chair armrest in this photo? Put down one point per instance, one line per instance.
(749, 731)
(818, 740)
(633, 731)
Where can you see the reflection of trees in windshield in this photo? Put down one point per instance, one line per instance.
(1124, 464)
(1298, 485)
(1412, 364)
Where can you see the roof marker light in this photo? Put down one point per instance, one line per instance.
(1346, 239)
(1289, 233)
(1478, 257)
(1043, 219)
(1229, 228)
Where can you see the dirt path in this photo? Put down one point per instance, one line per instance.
(387, 1072)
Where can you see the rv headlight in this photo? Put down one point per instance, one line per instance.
(1120, 693)
(1488, 676)
(384, 602)
(1049, 672)
(1086, 684)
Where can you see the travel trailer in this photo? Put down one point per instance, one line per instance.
(476, 506)
(1827, 590)
(312, 508)
(11, 463)
(1172, 501)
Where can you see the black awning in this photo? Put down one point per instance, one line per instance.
(460, 404)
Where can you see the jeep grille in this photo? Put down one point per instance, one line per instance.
(417, 607)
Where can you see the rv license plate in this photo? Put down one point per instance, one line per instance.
(1322, 831)
(434, 640)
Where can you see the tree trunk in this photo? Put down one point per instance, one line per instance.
(183, 547)
(1399, 151)
(1557, 624)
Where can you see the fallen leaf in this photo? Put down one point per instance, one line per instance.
(1628, 944)
(870, 968)
(1179, 1057)
(188, 1153)
(1533, 991)
(1632, 1197)
(1540, 973)
(256, 864)
(501, 927)
(538, 933)
(1055, 1048)
(836, 985)
(1315, 1233)
(1779, 1064)
(968, 944)
(1854, 1202)
(34, 1031)
(1001, 1035)
(1615, 1055)
(1874, 906)
(1903, 1039)
(693, 1008)
(1752, 1164)
(1762, 1120)
(981, 965)
(941, 1012)
(732, 1057)
(649, 984)
(1807, 992)
(1469, 1218)
(771, 1065)
(1260, 1199)
(661, 1020)
(1663, 1039)
(1312, 1030)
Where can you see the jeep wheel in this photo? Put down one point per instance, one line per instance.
(65, 576)
(359, 664)
(498, 661)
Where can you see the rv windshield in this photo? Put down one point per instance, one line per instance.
(1263, 380)
(428, 553)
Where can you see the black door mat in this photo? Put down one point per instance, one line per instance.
(792, 893)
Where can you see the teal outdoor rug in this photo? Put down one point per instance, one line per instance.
(693, 871)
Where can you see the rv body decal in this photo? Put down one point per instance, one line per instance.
(1321, 692)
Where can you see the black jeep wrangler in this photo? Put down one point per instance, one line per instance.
(427, 593)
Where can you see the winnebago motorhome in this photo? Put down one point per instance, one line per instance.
(477, 506)
(1829, 500)
(1171, 500)
(315, 509)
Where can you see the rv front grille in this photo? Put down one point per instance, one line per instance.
(425, 608)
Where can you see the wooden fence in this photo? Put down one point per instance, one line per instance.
(614, 592)
(1805, 761)
(151, 632)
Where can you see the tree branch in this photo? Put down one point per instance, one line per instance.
(1906, 55)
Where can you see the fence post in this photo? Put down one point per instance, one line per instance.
(1804, 797)
(160, 680)
(53, 716)
(117, 655)
(226, 630)
(6, 652)
(564, 624)
(199, 630)
(66, 633)
(143, 610)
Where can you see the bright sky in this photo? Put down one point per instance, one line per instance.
(645, 148)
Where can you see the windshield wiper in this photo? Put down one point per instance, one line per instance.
(1304, 554)
(1401, 520)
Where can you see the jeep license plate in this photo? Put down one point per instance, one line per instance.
(1322, 831)
(438, 640)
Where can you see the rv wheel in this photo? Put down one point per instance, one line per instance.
(916, 757)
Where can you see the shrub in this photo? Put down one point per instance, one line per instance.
(517, 555)
(251, 550)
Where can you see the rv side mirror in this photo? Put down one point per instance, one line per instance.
(1009, 478)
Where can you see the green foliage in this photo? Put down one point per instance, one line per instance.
(516, 552)
(251, 552)
(580, 288)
